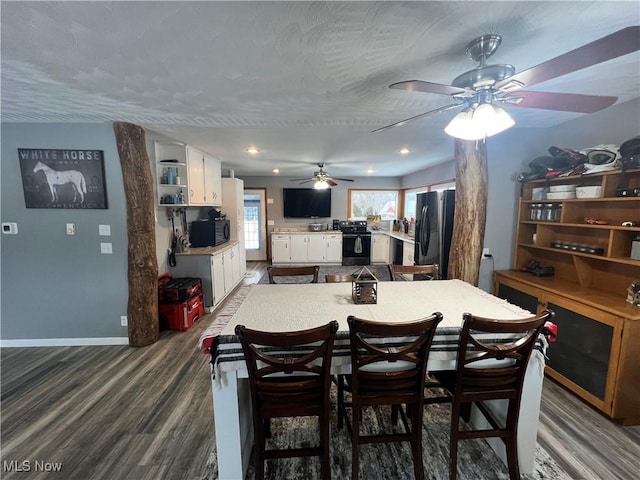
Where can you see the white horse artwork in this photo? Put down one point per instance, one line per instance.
(56, 178)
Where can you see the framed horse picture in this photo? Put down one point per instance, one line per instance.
(63, 178)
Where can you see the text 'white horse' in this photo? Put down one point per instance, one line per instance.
(56, 178)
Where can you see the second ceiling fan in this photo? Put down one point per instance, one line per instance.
(321, 177)
(499, 84)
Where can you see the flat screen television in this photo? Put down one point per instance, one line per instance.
(306, 203)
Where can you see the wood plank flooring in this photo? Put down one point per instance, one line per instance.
(118, 412)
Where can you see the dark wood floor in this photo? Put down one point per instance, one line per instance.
(117, 412)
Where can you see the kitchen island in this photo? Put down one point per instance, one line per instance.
(269, 307)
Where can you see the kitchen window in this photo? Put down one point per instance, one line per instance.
(363, 203)
(410, 196)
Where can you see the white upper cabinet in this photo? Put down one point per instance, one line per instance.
(205, 182)
(212, 181)
(187, 176)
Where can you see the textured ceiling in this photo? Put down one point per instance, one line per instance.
(305, 82)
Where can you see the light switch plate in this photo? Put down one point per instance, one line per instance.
(71, 229)
(106, 248)
(104, 230)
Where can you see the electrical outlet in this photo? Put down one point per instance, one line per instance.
(123, 321)
(486, 253)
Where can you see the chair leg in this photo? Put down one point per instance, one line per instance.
(325, 465)
(511, 442)
(258, 456)
(340, 401)
(453, 444)
(355, 443)
(416, 444)
(511, 445)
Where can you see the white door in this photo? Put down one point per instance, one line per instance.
(255, 224)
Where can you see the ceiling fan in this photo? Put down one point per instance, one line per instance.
(321, 178)
(493, 84)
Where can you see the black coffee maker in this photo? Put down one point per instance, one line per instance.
(336, 224)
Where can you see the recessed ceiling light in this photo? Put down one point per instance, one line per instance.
(404, 150)
(276, 170)
(371, 170)
(252, 150)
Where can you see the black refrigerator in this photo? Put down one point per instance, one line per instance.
(434, 228)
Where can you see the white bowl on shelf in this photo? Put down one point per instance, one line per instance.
(560, 195)
(562, 188)
(589, 192)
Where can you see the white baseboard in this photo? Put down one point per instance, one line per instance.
(64, 342)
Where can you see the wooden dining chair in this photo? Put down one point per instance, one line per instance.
(418, 272)
(491, 370)
(390, 373)
(338, 278)
(309, 271)
(289, 377)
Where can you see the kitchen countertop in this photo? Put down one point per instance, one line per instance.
(305, 232)
(400, 236)
(209, 250)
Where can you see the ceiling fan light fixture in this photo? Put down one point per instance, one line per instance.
(320, 184)
(500, 122)
(463, 126)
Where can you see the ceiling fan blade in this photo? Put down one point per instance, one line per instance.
(402, 122)
(612, 46)
(331, 182)
(428, 87)
(343, 179)
(298, 179)
(564, 102)
(307, 181)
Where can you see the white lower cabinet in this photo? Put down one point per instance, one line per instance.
(311, 248)
(280, 248)
(298, 248)
(333, 244)
(315, 248)
(217, 269)
(379, 248)
(220, 272)
(408, 250)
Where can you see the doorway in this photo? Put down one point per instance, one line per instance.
(255, 224)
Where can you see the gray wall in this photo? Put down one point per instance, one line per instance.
(56, 286)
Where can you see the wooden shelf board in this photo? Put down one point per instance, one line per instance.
(614, 304)
(623, 260)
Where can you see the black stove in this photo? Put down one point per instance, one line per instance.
(358, 226)
(356, 243)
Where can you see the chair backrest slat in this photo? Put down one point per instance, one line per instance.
(311, 271)
(494, 353)
(423, 272)
(383, 370)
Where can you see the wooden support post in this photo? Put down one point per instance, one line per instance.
(471, 210)
(142, 306)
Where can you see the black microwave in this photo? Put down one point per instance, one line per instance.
(209, 233)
